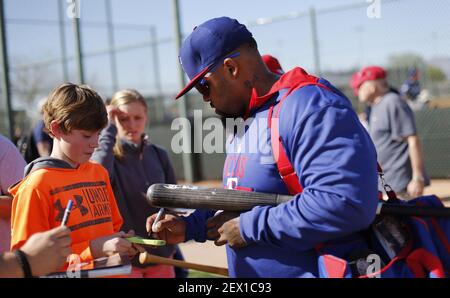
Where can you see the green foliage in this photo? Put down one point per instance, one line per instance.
(402, 62)
(436, 74)
(405, 60)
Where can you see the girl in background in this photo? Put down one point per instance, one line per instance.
(134, 164)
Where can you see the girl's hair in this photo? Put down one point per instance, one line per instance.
(124, 97)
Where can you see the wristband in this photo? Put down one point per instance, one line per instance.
(23, 261)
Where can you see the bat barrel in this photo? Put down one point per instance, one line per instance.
(192, 197)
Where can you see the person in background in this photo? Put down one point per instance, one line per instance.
(411, 91)
(393, 130)
(134, 164)
(43, 141)
(411, 88)
(273, 64)
(37, 142)
(12, 165)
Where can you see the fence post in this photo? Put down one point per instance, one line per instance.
(155, 56)
(315, 41)
(6, 91)
(78, 50)
(187, 157)
(112, 44)
(62, 39)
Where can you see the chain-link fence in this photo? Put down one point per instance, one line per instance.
(433, 127)
(130, 44)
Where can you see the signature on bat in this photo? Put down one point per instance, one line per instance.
(176, 186)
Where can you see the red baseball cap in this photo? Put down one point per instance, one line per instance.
(272, 64)
(368, 73)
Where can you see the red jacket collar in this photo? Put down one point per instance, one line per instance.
(288, 80)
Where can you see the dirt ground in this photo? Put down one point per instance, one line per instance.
(209, 254)
(440, 103)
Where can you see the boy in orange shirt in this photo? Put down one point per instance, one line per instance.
(74, 115)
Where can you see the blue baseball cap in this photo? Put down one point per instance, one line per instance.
(412, 72)
(207, 44)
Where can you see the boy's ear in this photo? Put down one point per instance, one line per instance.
(55, 130)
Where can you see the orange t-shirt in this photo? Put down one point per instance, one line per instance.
(42, 196)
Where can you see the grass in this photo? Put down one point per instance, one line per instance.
(200, 274)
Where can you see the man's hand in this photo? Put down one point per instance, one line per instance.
(415, 188)
(47, 251)
(170, 228)
(214, 223)
(224, 228)
(416, 185)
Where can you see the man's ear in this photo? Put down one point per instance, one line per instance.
(55, 129)
(231, 67)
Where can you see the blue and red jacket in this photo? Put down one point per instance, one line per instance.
(335, 161)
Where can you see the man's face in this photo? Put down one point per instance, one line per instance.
(78, 145)
(366, 92)
(226, 95)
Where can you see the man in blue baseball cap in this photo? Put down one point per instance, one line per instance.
(411, 91)
(319, 153)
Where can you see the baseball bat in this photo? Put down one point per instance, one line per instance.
(145, 258)
(194, 197)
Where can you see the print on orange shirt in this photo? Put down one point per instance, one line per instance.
(90, 200)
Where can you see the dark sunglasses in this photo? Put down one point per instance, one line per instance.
(203, 86)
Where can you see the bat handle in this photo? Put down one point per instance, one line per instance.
(145, 258)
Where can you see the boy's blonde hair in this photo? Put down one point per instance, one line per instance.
(123, 97)
(75, 107)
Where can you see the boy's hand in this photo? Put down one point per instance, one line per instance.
(170, 228)
(47, 251)
(113, 244)
(137, 247)
(119, 245)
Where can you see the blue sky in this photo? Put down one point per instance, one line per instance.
(347, 39)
